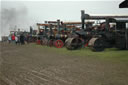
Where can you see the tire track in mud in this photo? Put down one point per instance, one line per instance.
(58, 74)
(16, 75)
(49, 77)
(26, 76)
(6, 81)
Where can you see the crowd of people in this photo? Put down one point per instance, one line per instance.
(17, 39)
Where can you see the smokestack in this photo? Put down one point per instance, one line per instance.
(51, 32)
(58, 25)
(45, 27)
(31, 30)
(82, 18)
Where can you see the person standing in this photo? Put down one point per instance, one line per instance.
(13, 38)
(16, 40)
(22, 39)
(9, 39)
(28, 38)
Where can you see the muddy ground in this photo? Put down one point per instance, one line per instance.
(34, 65)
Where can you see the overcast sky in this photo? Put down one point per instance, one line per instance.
(32, 11)
(65, 10)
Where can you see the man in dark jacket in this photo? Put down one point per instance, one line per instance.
(22, 39)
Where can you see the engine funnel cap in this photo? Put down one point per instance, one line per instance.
(124, 4)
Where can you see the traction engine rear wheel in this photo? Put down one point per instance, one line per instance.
(99, 45)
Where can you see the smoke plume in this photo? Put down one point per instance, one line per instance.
(13, 19)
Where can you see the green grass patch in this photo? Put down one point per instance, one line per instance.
(111, 54)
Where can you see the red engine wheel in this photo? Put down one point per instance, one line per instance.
(50, 43)
(86, 45)
(38, 42)
(58, 43)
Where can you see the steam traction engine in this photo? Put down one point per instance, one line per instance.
(79, 37)
(106, 36)
(54, 33)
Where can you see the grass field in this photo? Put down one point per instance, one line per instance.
(111, 54)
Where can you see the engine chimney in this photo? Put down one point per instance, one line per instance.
(82, 18)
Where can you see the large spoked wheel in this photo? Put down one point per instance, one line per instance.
(44, 41)
(98, 45)
(50, 43)
(86, 44)
(73, 43)
(58, 43)
(121, 43)
(38, 42)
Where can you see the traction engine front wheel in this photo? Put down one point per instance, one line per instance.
(58, 43)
